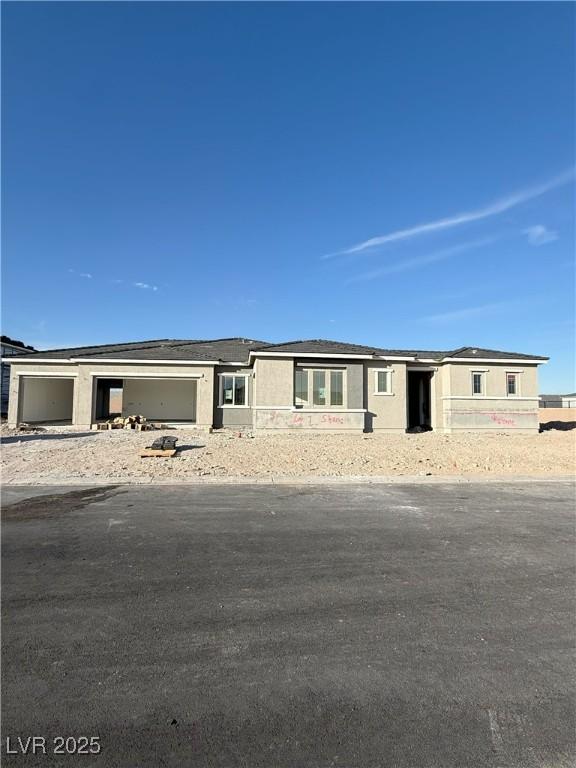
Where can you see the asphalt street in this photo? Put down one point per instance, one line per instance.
(360, 626)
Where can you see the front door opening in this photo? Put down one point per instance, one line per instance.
(419, 400)
(108, 398)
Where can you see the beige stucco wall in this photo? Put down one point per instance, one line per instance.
(273, 382)
(385, 412)
(495, 377)
(493, 410)
(273, 398)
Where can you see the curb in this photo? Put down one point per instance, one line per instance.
(298, 480)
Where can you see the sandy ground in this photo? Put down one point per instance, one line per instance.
(63, 457)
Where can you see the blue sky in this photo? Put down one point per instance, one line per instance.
(393, 174)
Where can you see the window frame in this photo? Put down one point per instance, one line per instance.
(327, 371)
(516, 375)
(221, 403)
(482, 375)
(388, 372)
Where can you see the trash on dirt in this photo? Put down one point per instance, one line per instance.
(162, 446)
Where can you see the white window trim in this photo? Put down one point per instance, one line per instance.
(328, 370)
(518, 392)
(389, 371)
(482, 373)
(221, 404)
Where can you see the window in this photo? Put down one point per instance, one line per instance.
(477, 382)
(319, 388)
(301, 387)
(336, 388)
(383, 382)
(512, 384)
(233, 390)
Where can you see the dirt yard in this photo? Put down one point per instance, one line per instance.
(66, 457)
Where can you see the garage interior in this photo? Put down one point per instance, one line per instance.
(167, 400)
(46, 400)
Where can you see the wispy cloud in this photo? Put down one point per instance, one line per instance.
(483, 309)
(492, 209)
(540, 235)
(420, 261)
(81, 274)
(145, 286)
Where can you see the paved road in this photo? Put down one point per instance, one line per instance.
(280, 627)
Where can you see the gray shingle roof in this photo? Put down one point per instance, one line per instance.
(326, 347)
(224, 350)
(492, 353)
(238, 350)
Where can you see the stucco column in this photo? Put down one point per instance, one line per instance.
(83, 393)
(205, 399)
(13, 398)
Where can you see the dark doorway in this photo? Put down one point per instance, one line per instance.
(419, 400)
(108, 398)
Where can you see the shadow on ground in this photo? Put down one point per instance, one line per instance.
(563, 426)
(39, 436)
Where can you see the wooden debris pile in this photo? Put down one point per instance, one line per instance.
(137, 422)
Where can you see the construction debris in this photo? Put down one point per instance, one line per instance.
(162, 446)
(137, 422)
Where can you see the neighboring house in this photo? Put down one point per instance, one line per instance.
(305, 385)
(558, 401)
(10, 348)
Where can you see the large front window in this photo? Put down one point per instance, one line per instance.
(319, 388)
(233, 391)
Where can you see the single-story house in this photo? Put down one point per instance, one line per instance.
(558, 401)
(296, 385)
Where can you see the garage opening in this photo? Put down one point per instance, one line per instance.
(419, 400)
(46, 400)
(165, 400)
(109, 394)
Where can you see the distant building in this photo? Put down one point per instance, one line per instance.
(557, 401)
(10, 348)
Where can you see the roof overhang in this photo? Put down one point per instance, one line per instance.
(329, 356)
(504, 360)
(10, 360)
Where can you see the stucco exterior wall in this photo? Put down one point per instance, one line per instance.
(340, 420)
(271, 394)
(274, 396)
(494, 409)
(386, 413)
(226, 416)
(273, 381)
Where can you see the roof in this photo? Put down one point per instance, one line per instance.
(327, 347)
(216, 350)
(238, 349)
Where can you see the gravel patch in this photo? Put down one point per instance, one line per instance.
(53, 456)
